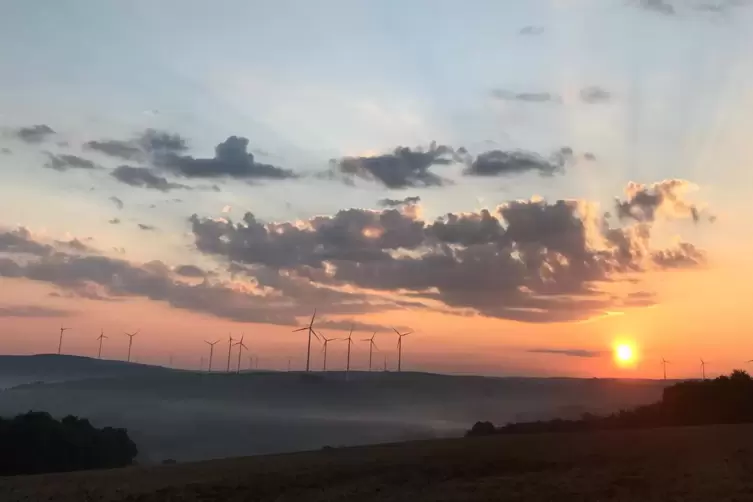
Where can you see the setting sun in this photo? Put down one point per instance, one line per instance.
(624, 354)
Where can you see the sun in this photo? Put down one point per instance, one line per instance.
(624, 353)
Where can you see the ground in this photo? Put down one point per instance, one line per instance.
(683, 464)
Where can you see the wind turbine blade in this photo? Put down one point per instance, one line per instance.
(374, 344)
(312, 318)
(300, 329)
(396, 331)
(408, 333)
(369, 339)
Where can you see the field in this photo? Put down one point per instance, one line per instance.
(688, 464)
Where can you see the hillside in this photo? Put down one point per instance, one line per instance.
(690, 464)
(19, 370)
(197, 416)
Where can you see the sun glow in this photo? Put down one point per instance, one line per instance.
(624, 354)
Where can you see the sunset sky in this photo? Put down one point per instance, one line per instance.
(523, 184)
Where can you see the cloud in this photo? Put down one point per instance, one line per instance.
(501, 163)
(226, 209)
(144, 177)
(407, 201)
(190, 271)
(114, 221)
(645, 202)
(531, 30)
(147, 228)
(140, 148)
(6, 151)
(595, 94)
(232, 159)
(64, 162)
(34, 134)
(526, 97)
(403, 168)
(117, 201)
(568, 352)
(32, 311)
(658, 6)
(271, 296)
(531, 261)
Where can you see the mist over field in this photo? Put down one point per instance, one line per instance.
(194, 416)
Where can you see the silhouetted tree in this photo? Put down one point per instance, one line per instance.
(482, 429)
(35, 443)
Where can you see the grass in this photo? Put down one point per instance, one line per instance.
(684, 464)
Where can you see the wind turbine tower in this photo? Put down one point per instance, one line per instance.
(130, 342)
(60, 342)
(211, 353)
(350, 342)
(229, 351)
(310, 329)
(241, 346)
(324, 348)
(664, 363)
(100, 338)
(703, 369)
(400, 348)
(372, 346)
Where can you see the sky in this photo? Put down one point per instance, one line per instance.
(523, 185)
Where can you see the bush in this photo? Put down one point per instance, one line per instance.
(482, 429)
(35, 443)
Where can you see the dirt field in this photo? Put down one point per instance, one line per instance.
(687, 464)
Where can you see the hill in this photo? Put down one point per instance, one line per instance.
(46, 368)
(692, 464)
(196, 416)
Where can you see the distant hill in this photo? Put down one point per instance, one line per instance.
(48, 368)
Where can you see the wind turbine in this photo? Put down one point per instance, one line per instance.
(324, 348)
(372, 346)
(664, 363)
(211, 353)
(703, 369)
(229, 350)
(310, 329)
(350, 342)
(100, 338)
(60, 342)
(130, 342)
(400, 348)
(241, 346)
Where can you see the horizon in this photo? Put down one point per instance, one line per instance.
(531, 189)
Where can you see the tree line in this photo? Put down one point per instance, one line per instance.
(723, 400)
(35, 442)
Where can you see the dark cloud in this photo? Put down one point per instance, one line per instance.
(117, 201)
(140, 148)
(34, 134)
(589, 156)
(20, 241)
(400, 202)
(528, 97)
(402, 168)
(501, 163)
(595, 94)
(6, 151)
(115, 148)
(114, 221)
(568, 352)
(74, 245)
(232, 159)
(190, 271)
(32, 311)
(530, 261)
(65, 162)
(144, 177)
(644, 202)
(531, 30)
(147, 228)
